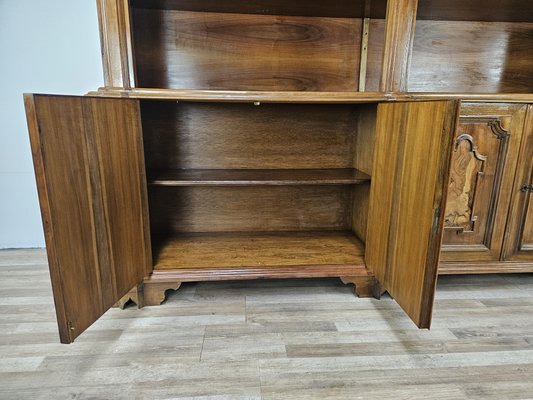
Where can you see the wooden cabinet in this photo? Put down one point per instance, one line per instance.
(487, 219)
(270, 139)
(237, 191)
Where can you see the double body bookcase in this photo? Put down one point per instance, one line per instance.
(251, 140)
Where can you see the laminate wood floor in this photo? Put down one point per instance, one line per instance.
(295, 339)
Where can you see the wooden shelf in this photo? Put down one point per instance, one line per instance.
(249, 177)
(266, 255)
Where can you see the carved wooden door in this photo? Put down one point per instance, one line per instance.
(484, 162)
(89, 166)
(409, 180)
(519, 233)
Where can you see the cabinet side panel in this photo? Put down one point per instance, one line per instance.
(60, 152)
(388, 137)
(408, 191)
(116, 132)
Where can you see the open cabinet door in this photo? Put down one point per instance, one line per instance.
(409, 182)
(89, 167)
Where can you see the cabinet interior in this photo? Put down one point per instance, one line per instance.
(259, 45)
(243, 185)
(473, 47)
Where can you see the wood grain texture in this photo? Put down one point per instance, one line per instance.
(310, 8)
(249, 177)
(519, 239)
(476, 10)
(116, 43)
(375, 51)
(249, 208)
(171, 276)
(482, 175)
(202, 50)
(399, 35)
(95, 225)
(226, 250)
(66, 211)
(310, 337)
(484, 267)
(472, 57)
(232, 136)
(413, 147)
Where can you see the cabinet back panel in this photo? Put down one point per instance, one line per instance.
(375, 49)
(204, 50)
(479, 57)
(476, 10)
(225, 136)
(230, 209)
(311, 8)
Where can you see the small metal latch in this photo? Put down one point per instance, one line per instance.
(70, 325)
(526, 188)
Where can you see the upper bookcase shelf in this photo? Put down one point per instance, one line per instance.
(475, 46)
(433, 46)
(256, 45)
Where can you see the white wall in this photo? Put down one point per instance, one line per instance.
(47, 46)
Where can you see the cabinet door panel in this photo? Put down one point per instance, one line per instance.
(89, 168)
(409, 181)
(519, 233)
(482, 172)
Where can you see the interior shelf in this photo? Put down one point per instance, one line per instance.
(250, 249)
(244, 177)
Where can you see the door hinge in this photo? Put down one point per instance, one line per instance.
(526, 188)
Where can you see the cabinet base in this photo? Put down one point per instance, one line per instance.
(155, 286)
(365, 285)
